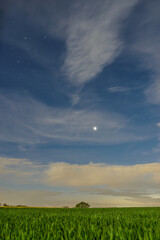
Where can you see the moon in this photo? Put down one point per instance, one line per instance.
(95, 128)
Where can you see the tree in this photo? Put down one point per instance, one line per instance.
(5, 204)
(82, 205)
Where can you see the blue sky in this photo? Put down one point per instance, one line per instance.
(65, 69)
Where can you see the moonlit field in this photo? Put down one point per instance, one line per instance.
(79, 119)
(111, 223)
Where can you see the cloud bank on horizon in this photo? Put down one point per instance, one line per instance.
(131, 186)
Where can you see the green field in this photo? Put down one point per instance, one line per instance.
(84, 224)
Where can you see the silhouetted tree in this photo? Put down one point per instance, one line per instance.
(82, 205)
(5, 205)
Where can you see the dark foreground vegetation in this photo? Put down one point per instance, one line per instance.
(79, 224)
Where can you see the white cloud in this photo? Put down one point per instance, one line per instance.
(25, 120)
(20, 171)
(137, 177)
(99, 184)
(118, 89)
(93, 37)
(90, 29)
(75, 98)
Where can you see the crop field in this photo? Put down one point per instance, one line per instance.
(79, 224)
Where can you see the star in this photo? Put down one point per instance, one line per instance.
(94, 128)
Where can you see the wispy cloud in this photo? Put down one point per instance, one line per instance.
(25, 120)
(21, 171)
(118, 89)
(90, 29)
(93, 37)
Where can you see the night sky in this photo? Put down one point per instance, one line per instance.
(79, 102)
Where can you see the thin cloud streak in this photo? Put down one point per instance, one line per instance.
(118, 89)
(25, 120)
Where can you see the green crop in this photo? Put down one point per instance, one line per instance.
(80, 224)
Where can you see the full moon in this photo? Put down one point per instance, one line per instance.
(94, 128)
